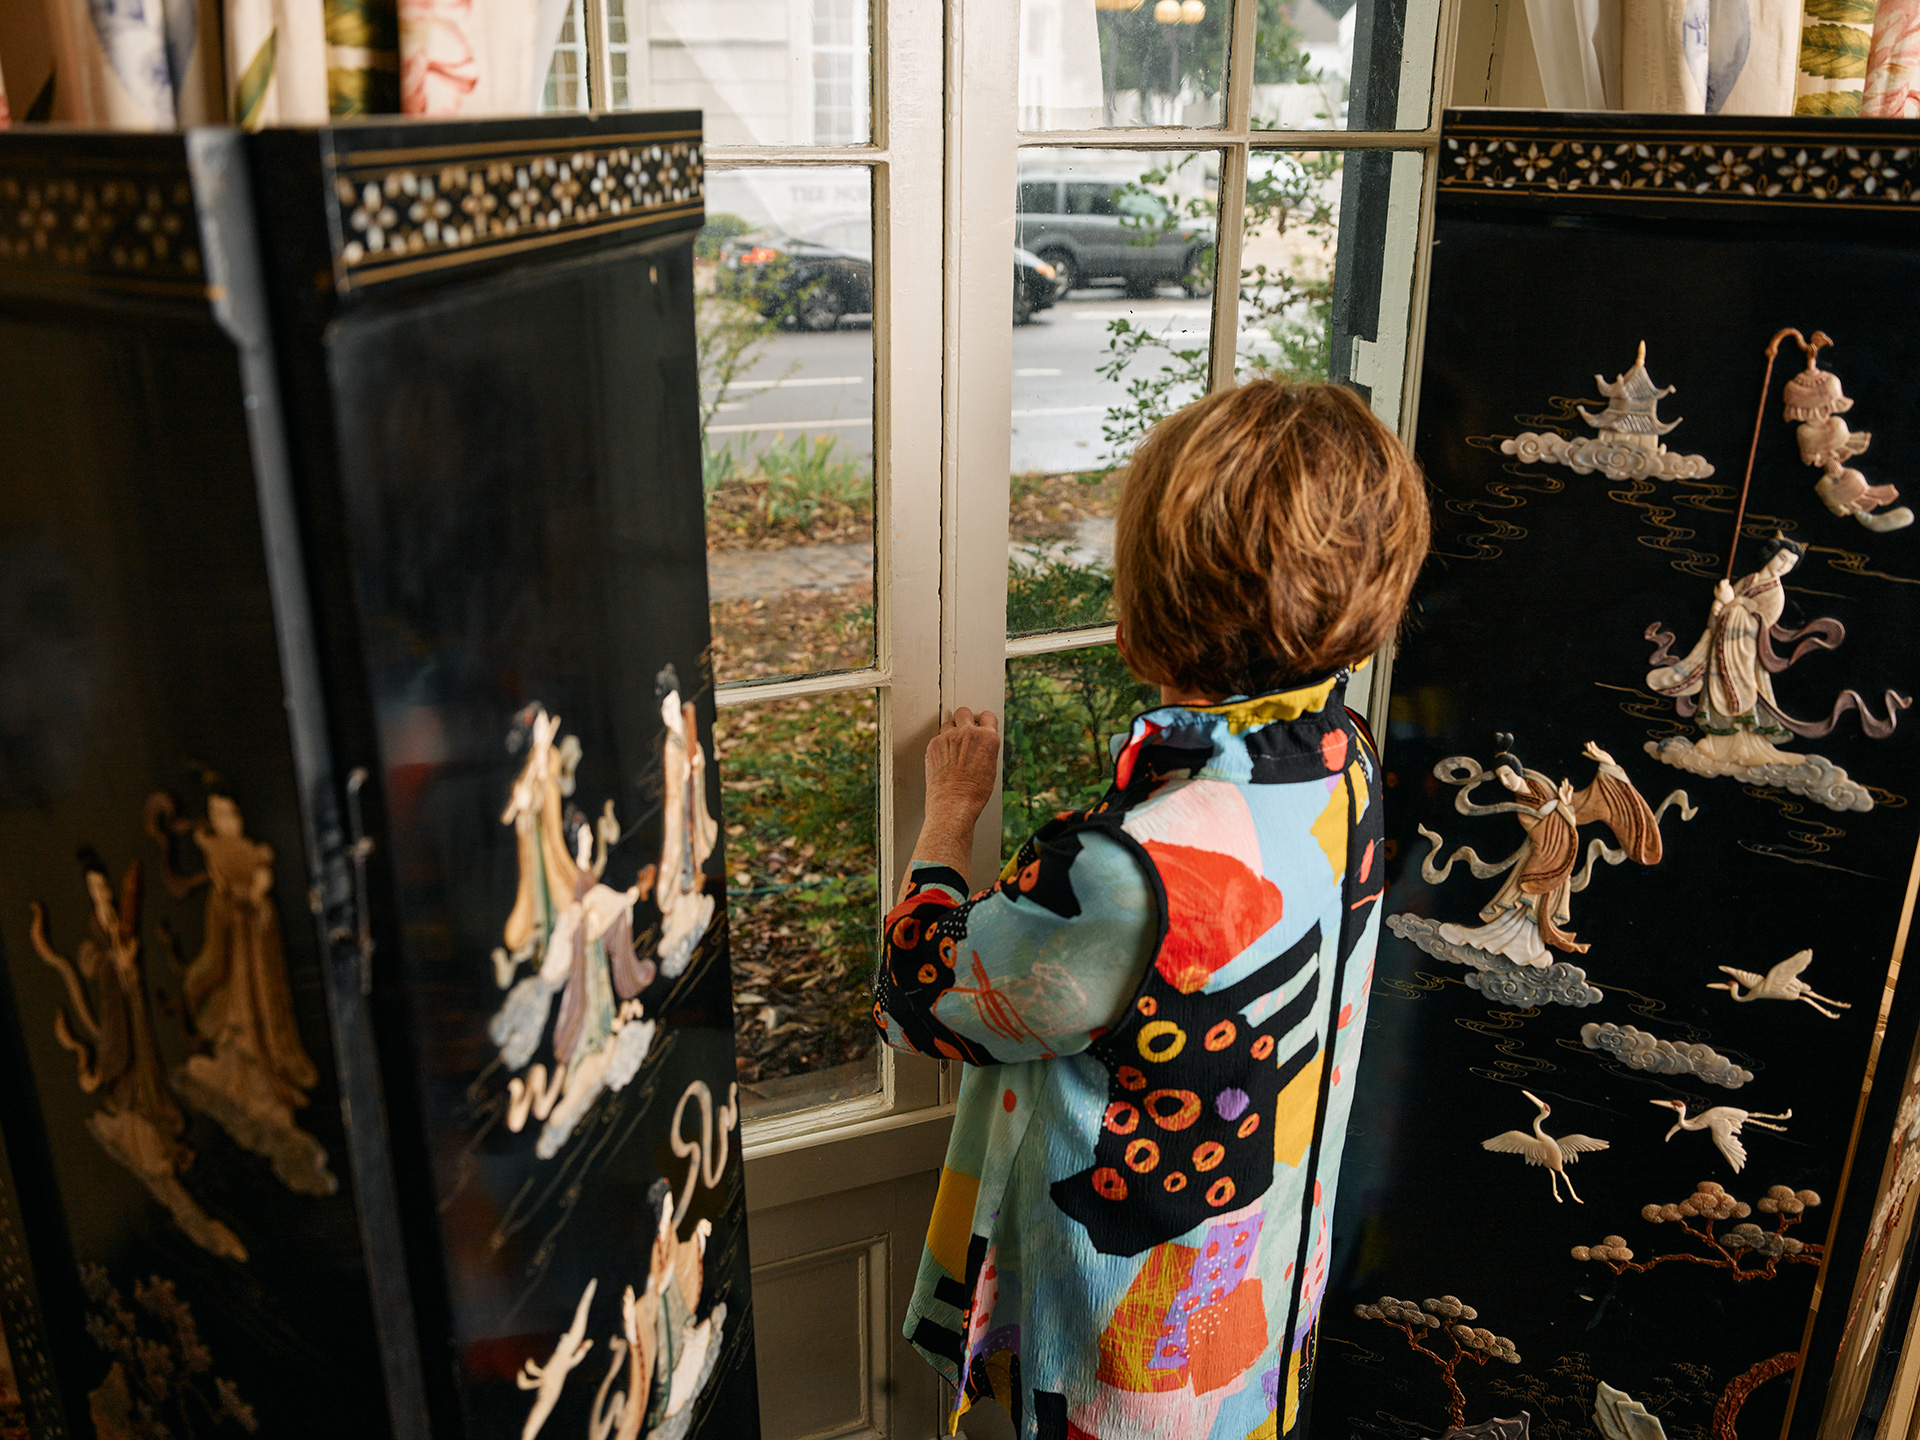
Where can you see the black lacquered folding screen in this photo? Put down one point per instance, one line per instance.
(1654, 776)
(360, 897)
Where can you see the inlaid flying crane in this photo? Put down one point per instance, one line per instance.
(1782, 982)
(1723, 1122)
(1540, 1148)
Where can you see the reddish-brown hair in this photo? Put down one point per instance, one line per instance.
(1267, 533)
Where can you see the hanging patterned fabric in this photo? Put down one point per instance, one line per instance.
(1836, 37)
(438, 67)
(1663, 56)
(1893, 66)
(1711, 57)
(157, 64)
(459, 58)
(1753, 57)
(113, 62)
(276, 62)
(363, 57)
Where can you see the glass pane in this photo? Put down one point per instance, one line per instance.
(620, 92)
(801, 802)
(765, 72)
(783, 281)
(1287, 260)
(1062, 711)
(1112, 273)
(1096, 64)
(1321, 261)
(1340, 64)
(565, 92)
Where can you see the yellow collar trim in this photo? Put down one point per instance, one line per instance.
(1243, 715)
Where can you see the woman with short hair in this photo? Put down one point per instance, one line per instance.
(1159, 1002)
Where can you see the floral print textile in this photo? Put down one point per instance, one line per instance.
(1160, 1005)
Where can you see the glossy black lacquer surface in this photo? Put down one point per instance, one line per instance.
(525, 522)
(138, 656)
(1531, 618)
(306, 525)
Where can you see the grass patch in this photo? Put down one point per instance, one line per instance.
(799, 491)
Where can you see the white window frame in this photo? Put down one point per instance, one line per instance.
(945, 77)
(587, 43)
(983, 155)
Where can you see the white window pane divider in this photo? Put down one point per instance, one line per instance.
(734, 693)
(731, 156)
(1214, 137)
(946, 102)
(1388, 364)
(1052, 642)
(983, 96)
(908, 242)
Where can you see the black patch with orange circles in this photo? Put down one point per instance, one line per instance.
(1192, 1092)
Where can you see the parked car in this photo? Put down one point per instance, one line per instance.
(1036, 285)
(1094, 229)
(827, 273)
(814, 278)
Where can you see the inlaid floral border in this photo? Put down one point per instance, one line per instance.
(1736, 168)
(399, 215)
(135, 230)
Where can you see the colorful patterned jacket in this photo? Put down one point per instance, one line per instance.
(1160, 1006)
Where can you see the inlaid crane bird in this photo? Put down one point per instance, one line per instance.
(1782, 982)
(1723, 1122)
(1540, 1148)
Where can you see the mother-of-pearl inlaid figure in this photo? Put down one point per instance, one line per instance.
(1782, 982)
(1723, 1122)
(1540, 1148)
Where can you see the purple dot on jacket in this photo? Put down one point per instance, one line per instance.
(1231, 1104)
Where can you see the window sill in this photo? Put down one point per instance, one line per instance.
(789, 1169)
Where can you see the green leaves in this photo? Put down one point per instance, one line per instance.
(1835, 52)
(1856, 12)
(1060, 711)
(1045, 592)
(1829, 102)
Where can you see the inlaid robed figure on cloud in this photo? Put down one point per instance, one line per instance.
(577, 932)
(246, 1068)
(664, 1353)
(251, 1071)
(1724, 684)
(107, 1023)
(1511, 950)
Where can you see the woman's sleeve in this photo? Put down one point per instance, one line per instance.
(1039, 965)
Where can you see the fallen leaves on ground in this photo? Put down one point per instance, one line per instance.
(1044, 507)
(800, 806)
(799, 633)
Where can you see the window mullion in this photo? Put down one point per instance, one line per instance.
(1229, 226)
(593, 78)
(1240, 44)
(909, 242)
(1320, 140)
(1146, 137)
(1422, 57)
(743, 156)
(982, 168)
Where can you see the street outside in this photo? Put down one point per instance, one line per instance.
(823, 383)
